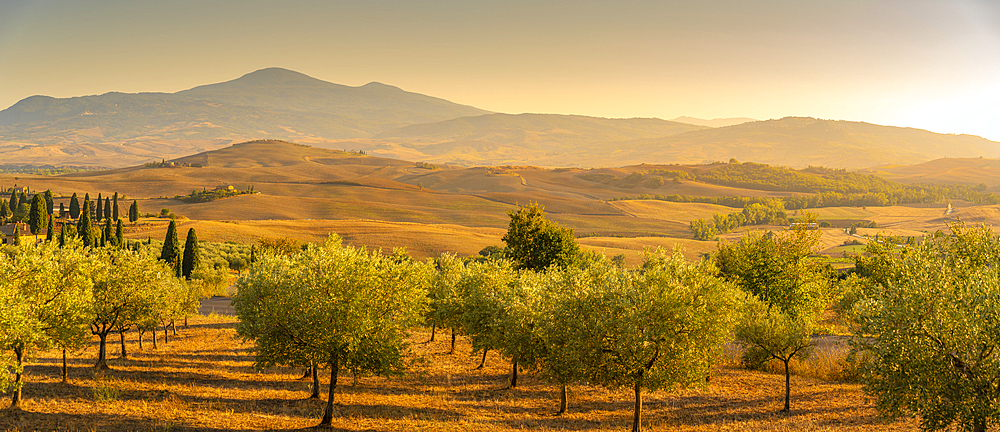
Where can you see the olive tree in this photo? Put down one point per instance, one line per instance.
(124, 285)
(927, 329)
(786, 293)
(335, 305)
(43, 290)
(486, 288)
(661, 328)
(445, 305)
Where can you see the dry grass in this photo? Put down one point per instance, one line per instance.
(204, 380)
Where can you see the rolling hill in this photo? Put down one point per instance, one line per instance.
(716, 122)
(804, 141)
(967, 171)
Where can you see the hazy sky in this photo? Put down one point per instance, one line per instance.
(927, 64)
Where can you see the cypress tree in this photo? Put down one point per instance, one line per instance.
(36, 217)
(48, 231)
(23, 199)
(17, 234)
(62, 209)
(102, 241)
(119, 233)
(74, 207)
(13, 200)
(133, 212)
(109, 238)
(5, 212)
(114, 208)
(107, 208)
(84, 227)
(87, 203)
(100, 207)
(192, 254)
(171, 252)
(49, 205)
(62, 236)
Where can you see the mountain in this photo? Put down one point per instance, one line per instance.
(803, 141)
(112, 129)
(716, 122)
(524, 139)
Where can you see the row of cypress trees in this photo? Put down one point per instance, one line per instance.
(171, 252)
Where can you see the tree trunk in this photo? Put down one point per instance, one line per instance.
(979, 424)
(788, 387)
(185, 321)
(141, 332)
(15, 401)
(154, 336)
(433, 331)
(483, 363)
(513, 374)
(124, 353)
(173, 326)
(102, 352)
(637, 415)
(328, 414)
(562, 400)
(64, 366)
(315, 377)
(165, 334)
(452, 341)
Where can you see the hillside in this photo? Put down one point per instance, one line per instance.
(537, 139)
(716, 122)
(560, 141)
(967, 171)
(803, 141)
(118, 129)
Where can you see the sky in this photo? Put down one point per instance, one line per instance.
(933, 65)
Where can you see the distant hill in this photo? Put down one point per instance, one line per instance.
(113, 129)
(716, 122)
(536, 139)
(967, 171)
(803, 141)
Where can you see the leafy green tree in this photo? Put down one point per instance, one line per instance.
(74, 207)
(171, 252)
(486, 288)
(22, 213)
(192, 254)
(657, 329)
(114, 208)
(133, 212)
(41, 300)
(332, 305)
(49, 204)
(446, 307)
(100, 208)
(124, 285)
(533, 242)
(789, 292)
(926, 329)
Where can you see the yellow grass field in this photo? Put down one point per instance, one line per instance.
(204, 380)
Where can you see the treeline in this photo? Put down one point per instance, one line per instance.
(829, 187)
(769, 212)
(205, 195)
(38, 212)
